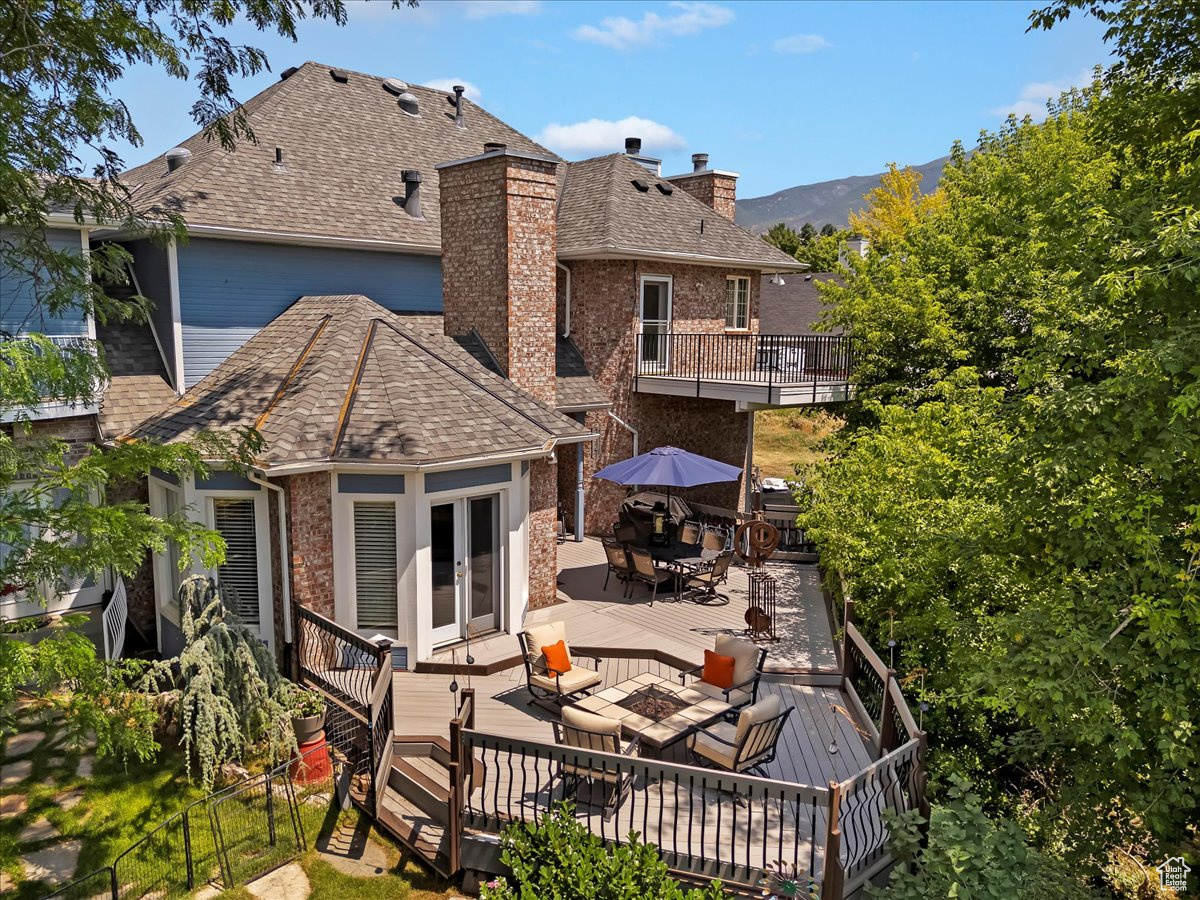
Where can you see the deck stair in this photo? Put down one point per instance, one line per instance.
(417, 798)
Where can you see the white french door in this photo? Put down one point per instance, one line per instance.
(654, 310)
(464, 543)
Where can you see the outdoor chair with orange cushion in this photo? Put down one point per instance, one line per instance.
(745, 746)
(748, 662)
(705, 580)
(552, 674)
(586, 732)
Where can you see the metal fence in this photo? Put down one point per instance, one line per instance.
(226, 839)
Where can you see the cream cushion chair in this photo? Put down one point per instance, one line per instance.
(748, 660)
(590, 732)
(543, 684)
(750, 744)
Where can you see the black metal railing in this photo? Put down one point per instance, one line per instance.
(865, 674)
(771, 360)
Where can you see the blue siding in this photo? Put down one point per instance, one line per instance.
(154, 278)
(459, 479)
(19, 309)
(349, 483)
(230, 289)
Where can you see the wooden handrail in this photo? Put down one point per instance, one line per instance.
(854, 635)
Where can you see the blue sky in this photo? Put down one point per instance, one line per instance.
(783, 93)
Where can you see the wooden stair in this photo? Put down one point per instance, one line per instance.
(417, 799)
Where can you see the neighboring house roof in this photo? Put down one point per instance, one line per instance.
(603, 215)
(795, 306)
(575, 389)
(139, 386)
(341, 379)
(344, 146)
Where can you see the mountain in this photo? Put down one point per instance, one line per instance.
(825, 201)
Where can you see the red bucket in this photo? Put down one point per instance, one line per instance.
(311, 763)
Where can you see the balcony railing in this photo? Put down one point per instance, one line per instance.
(768, 368)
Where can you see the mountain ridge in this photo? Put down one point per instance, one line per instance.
(822, 201)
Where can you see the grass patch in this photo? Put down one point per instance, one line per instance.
(405, 881)
(785, 437)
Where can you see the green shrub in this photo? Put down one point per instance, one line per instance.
(559, 859)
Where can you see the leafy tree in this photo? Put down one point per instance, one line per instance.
(821, 253)
(1017, 484)
(558, 858)
(827, 230)
(783, 237)
(893, 208)
(807, 232)
(58, 122)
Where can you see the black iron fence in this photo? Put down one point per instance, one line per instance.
(226, 839)
(765, 359)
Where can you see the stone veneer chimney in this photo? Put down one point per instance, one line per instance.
(499, 277)
(710, 186)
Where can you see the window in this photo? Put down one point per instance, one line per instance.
(737, 303)
(234, 519)
(375, 571)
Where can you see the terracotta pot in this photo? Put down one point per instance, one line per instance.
(308, 727)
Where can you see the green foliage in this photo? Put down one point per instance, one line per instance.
(827, 230)
(785, 238)
(1017, 483)
(968, 855)
(821, 253)
(559, 859)
(232, 698)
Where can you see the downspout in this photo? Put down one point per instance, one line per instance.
(285, 573)
(627, 427)
(567, 310)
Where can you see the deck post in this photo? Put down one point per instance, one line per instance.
(887, 721)
(847, 659)
(833, 879)
(923, 796)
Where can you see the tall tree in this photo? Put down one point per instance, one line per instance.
(828, 230)
(784, 237)
(893, 207)
(807, 232)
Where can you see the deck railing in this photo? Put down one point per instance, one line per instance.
(759, 359)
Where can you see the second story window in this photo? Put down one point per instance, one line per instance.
(737, 304)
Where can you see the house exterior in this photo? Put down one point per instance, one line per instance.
(442, 330)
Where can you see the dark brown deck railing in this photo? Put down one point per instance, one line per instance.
(769, 360)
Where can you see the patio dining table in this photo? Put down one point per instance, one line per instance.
(682, 560)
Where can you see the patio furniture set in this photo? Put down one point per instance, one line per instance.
(690, 567)
(711, 710)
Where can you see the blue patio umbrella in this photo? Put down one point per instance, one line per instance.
(669, 467)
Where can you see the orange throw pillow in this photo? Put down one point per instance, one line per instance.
(718, 670)
(557, 659)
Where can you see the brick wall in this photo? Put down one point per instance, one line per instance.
(310, 534)
(604, 300)
(499, 248)
(715, 189)
(543, 533)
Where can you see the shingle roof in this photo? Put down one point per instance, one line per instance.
(601, 213)
(139, 386)
(344, 147)
(575, 389)
(343, 379)
(795, 306)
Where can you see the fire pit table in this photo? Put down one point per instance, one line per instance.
(661, 712)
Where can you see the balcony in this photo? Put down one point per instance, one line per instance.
(54, 409)
(754, 370)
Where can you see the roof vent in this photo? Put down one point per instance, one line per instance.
(395, 86)
(493, 146)
(177, 158)
(633, 146)
(412, 192)
(279, 167)
(699, 162)
(408, 103)
(640, 185)
(665, 189)
(341, 76)
(456, 102)
(288, 73)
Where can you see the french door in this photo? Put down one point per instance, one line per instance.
(654, 309)
(464, 541)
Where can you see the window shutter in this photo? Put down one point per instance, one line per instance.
(375, 567)
(239, 573)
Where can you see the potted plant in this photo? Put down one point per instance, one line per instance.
(308, 714)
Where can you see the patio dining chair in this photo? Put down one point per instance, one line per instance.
(645, 573)
(618, 564)
(748, 662)
(550, 686)
(624, 533)
(690, 534)
(746, 746)
(609, 782)
(714, 539)
(705, 581)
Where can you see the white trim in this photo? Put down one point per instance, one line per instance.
(285, 571)
(735, 327)
(669, 321)
(469, 462)
(166, 606)
(176, 314)
(760, 266)
(86, 250)
(221, 232)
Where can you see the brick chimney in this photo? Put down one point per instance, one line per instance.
(710, 186)
(499, 277)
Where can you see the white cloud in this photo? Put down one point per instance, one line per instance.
(607, 136)
(800, 43)
(472, 91)
(486, 9)
(685, 19)
(1032, 101)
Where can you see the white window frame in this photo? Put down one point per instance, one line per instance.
(741, 318)
(165, 601)
(262, 537)
(351, 550)
(669, 281)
